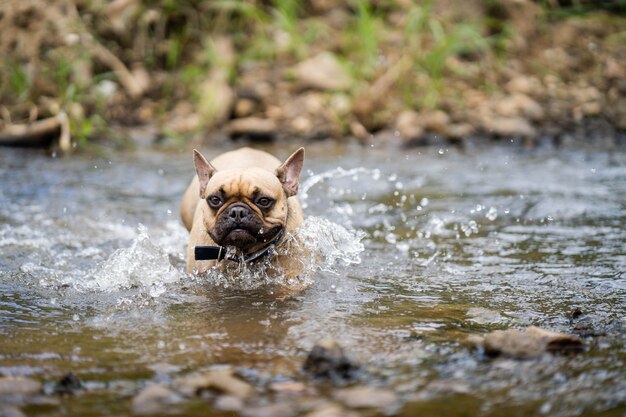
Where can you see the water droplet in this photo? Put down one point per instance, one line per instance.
(160, 344)
(75, 317)
(440, 151)
(492, 214)
(403, 247)
(424, 202)
(169, 212)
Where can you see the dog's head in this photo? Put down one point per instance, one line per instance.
(247, 208)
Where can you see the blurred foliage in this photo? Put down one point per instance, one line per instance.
(136, 61)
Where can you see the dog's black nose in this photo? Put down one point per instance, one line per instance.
(238, 213)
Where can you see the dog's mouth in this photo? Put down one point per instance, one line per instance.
(239, 238)
(240, 227)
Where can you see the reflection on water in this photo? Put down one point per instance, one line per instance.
(419, 250)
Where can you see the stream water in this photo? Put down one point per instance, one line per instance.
(419, 249)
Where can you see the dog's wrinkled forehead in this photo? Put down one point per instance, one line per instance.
(244, 183)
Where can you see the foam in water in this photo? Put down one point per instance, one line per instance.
(143, 265)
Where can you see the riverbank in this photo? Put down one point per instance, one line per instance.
(389, 72)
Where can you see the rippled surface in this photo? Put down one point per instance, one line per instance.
(454, 243)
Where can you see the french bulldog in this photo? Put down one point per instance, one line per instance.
(243, 206)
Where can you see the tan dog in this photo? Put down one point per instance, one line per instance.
(244, 201)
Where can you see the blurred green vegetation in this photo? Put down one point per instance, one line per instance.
(132, 62)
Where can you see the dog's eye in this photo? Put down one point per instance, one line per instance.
(264, 202)
(215, 201)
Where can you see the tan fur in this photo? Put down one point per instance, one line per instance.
(239, 173)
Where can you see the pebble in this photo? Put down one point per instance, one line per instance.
(8, 411)
(222, 381)
(323, 72)
(228, 403)
(328, 360)
(252, 126)
(270, 410)
(151, 399)
(408, 125)
(510, 126)
(331, 410)
(19, 386)
(366, 397)
(68, 384)
(291, 387)
(532, 342)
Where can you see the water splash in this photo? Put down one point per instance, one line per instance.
(327, 246)
(143, 265)
(336, 173)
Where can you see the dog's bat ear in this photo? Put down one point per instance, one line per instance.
(289, 172)
(204, 170)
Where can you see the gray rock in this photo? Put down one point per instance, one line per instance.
(152, 399)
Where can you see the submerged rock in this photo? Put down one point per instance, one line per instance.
(481, 315)
(68, 384)
(366, 397)
(152, 399)
(328, 360)
(532, 342)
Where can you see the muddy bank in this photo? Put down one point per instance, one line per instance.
(382, 72)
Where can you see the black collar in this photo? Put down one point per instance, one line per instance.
(218, 253)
